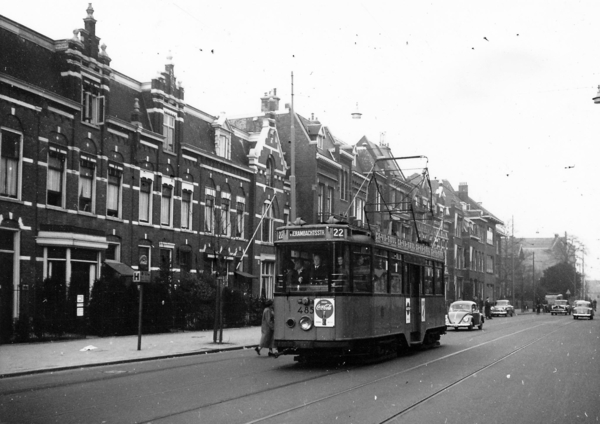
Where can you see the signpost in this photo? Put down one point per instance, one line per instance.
(141, 278)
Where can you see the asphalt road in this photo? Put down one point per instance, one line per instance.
(525, 369)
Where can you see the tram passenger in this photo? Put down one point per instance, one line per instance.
(319, 270)
(380, 277)
(361, 271)
(299, 275)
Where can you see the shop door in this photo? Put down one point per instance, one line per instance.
(414, 279)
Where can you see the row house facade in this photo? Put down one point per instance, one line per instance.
(474, 247)
(98, 168)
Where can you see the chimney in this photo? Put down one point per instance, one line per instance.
(463, 191)
(270, 102)
(90, 41)
(135, 114)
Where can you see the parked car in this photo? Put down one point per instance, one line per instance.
(464, 314)
(583, 309)
(503, 308)
(560, 306)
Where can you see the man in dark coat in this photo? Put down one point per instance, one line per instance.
(488, 308)
(319, 271)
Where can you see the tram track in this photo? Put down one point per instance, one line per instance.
(356, 387)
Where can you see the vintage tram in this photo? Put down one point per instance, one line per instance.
(346, 291)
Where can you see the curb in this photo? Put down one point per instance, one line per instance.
(122, 361)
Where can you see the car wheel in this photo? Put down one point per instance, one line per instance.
(480, 326)
(470, 326)
(574, 317)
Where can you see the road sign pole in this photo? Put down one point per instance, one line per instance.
(140, 318)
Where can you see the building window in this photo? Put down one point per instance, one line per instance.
(113, 252)
(185, 258)
(321, 203)
(270, 173)
(344, 183)
(168, 132)
(87, 183)
(166, 204)
(93, 103)
(267, 279)
(145, 199)
(224, 221)
(329, 201)
(166, 258)
(209, 210)
(56, 176)
(359, 209)
(267, 224)
(10, 162)
(186, 209)
(113, 193)
(239, 227)
(223, 146)
(144, 259)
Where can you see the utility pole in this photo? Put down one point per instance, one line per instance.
(533, 279)
(293, 172)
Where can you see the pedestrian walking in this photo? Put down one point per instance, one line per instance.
(488, 308)
(267, 329)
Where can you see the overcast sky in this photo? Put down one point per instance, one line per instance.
(495, 94)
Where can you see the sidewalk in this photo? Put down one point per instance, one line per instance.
(30, 358)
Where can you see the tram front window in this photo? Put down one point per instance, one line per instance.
(312, 268)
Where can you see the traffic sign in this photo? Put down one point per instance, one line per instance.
(141, 276)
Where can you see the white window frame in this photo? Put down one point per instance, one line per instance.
(5, 166)
(166, 219)
(225, 208)
(209, 210)
(92, 199)
(267, 278)
(240, 216)
(169, 122)
(187, 218)
(115, 169)
(93, 103)
(150, 177)
(268, 228)
(223, 145)
(58, 152)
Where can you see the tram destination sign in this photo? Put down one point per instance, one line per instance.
(419, 249)
(307, 233)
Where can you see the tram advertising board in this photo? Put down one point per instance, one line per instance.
(324, 312)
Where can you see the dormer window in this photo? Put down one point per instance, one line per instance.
(223, 146)
(169, 132)
(320, 141)
(93, 103)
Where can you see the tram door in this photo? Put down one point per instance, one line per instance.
(414, 280)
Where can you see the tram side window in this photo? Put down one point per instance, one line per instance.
(361, 269)
(428, 286)
(380, 271)
(439, 280)
(396, 273)
(339, 278)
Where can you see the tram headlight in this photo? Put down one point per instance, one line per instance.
(290, 322)
(305, 323)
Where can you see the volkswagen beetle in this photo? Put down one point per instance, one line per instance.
(464, 314)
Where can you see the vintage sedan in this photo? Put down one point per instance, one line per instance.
(503, 308)
(561, 306)
(583, 309)
(464, 314)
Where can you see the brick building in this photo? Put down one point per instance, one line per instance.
(97, 167)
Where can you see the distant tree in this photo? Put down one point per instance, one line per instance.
(559, 279)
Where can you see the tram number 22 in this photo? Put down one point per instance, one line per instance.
(338, 232)
(306, 310)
